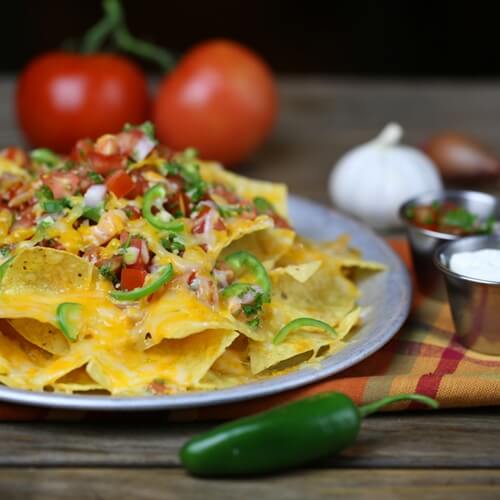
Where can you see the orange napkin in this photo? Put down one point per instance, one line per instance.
(424, 357)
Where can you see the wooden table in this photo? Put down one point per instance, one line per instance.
(450, 454)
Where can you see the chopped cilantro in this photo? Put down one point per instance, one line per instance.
(49, 205)
(95, 177)
(106, 272)
(459, 217)
(4, 250)
(44, 193)
(147, 127)
(173, 243)
(195, 185)
(44, 224)
(229, 210)
(262, 205)
(69, 165)
(190, 153)
(55, 206)
(255, 307)
(410, 211)
(92, 213)
(45, 156)
(254, 323)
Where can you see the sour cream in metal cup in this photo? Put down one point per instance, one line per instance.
(472, 278)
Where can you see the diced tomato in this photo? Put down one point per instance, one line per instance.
(132, 278)
(201, 220)
(17, 155)
(179, 202)
(82, 150)
(124, 237)
(280, 222)
(176, 181)
(133, 213)
(120, 183)
(140, 185)
(105, 164)
(26, 219)
(62, 184)
(223, 192)
(219, 224)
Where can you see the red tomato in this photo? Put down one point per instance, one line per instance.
(120, 183)
(132, 278)
(220, 99)
(62, 97)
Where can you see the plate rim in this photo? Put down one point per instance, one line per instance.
(267, 387)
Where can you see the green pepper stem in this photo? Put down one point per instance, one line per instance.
(370, 408)
(113, 25)
(96, 36)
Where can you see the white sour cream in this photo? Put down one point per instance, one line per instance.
(481, 264)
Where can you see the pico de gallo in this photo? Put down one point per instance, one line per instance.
(120, 202)
(448, 217)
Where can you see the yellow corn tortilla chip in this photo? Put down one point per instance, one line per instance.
(267, 245)
(367, 265)
(26, 366)
(274, 192)
(301, 272)
(176, 363)
(43, 335)
(327, 295)
(77, 380)
(46, 270)
(178, 314)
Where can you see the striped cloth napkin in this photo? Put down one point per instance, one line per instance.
(424, 357)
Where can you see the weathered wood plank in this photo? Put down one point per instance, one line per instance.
(448, 439)
(173, 484)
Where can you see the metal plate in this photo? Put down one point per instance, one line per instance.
(386, 298)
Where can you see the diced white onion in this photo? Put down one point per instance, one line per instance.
(94, 195)
(131, 255)
(144, 252)
(142, 148)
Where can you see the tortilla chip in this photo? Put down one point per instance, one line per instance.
(244, 187)
(178, 314)
(45, 270)
(367, 265)
(268, 245)
(43, 335)
(300, 273)
(176, 364)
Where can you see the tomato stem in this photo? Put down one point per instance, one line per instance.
(114, 26)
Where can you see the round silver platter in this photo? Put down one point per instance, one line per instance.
(385, 297)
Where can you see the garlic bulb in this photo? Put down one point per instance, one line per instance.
(373, 180)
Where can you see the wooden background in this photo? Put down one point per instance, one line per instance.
(439, 455)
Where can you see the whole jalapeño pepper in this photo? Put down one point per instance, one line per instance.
(283, 437)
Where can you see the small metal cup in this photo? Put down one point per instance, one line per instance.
(423, 242)
(475, 304)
